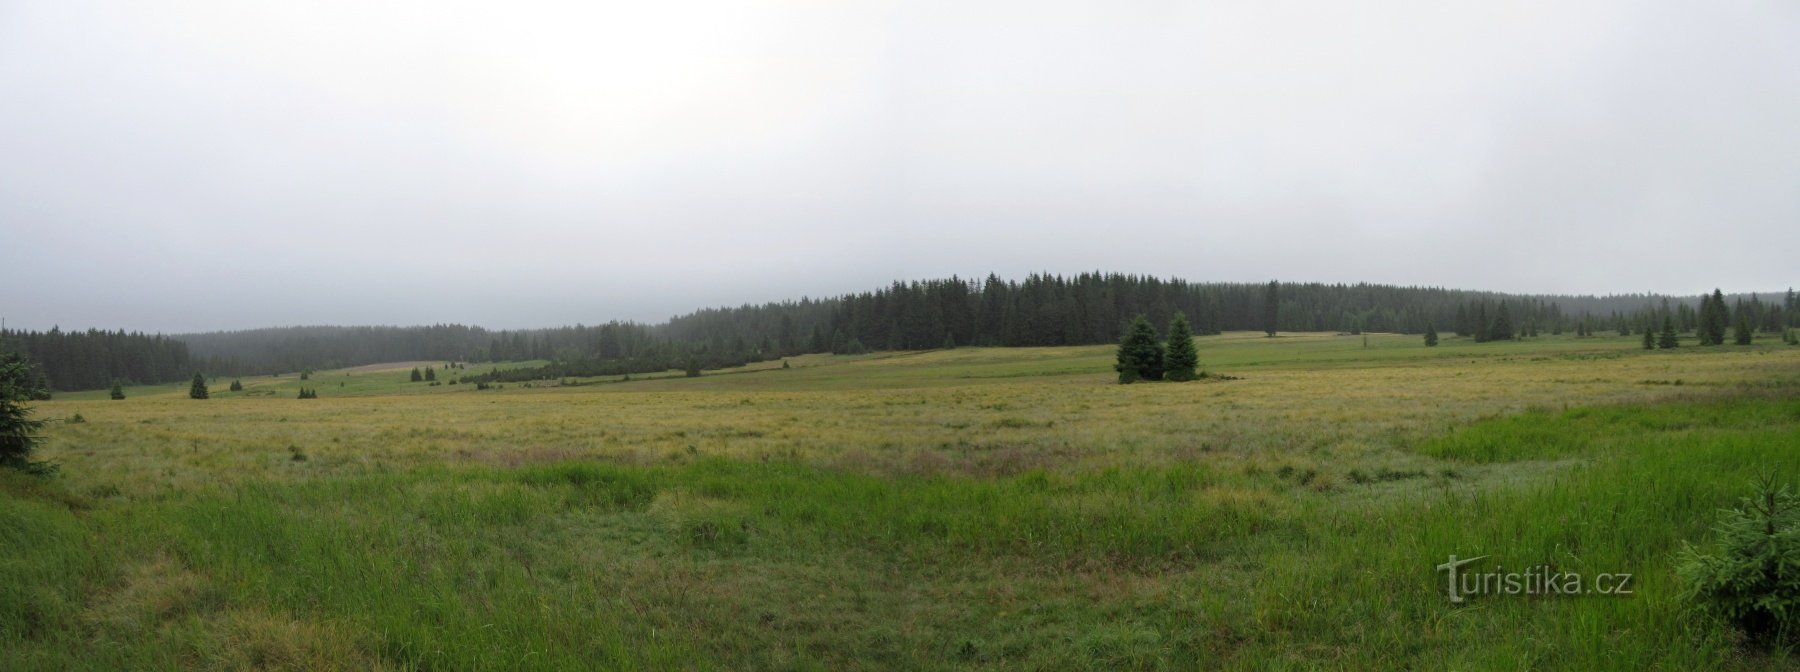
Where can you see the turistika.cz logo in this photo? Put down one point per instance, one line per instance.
(1538, 580)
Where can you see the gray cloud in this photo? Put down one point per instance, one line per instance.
(176, 166)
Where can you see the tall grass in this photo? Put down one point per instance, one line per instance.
(970, 508)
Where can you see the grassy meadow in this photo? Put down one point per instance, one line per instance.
(967, 508)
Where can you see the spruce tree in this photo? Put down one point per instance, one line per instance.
(1721, 317)
(1649, 340)
(693, 367)
(1703, 331)
(430, 374)
(416, 376)
(1713, 318)
(118, 391)
(1183, 361)
(1740, 332)
(1271, 307)
(40, 386)
(198, 389)
(1667, 340)
(18, 430)
(1431, 336)
(237, 385)
(1140, 355)
(1502, 329)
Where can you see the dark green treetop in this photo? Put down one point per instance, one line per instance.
(1140, 355)
(18, 430)
(1182, 362)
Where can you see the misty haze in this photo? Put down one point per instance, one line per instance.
(795, 335)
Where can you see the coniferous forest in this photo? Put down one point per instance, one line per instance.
(1040, 310)
(93, 359)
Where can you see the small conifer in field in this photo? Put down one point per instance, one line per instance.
(1182, 361)
(1714, 319)
(1747, 575)
(1502, 329)
(1140, 355)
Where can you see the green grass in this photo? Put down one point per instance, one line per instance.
(986, 508)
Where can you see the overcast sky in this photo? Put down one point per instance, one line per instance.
(174, 166)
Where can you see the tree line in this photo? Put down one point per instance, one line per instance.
(1039, 310)
(1709, 318)
(1093, 308)
(288, 349)
(93, 359)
